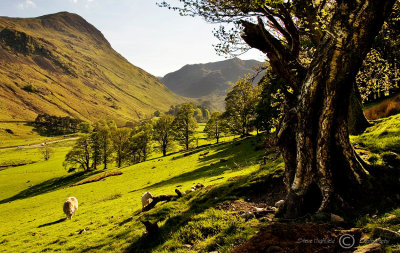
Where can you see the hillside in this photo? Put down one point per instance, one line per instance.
(215, 218)
(208, 81)
(60, 64)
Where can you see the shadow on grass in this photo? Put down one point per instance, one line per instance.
(49, 186)
(52, 223)
(238, 154)
(198, 202)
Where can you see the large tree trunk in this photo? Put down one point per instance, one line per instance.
(322, 171)
(357, 120)
(328, 176)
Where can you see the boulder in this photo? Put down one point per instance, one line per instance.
(336, 219)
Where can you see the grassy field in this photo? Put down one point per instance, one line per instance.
(109, 216)
(31, 196)
(22, 134)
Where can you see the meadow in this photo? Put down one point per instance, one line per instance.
(109, 215)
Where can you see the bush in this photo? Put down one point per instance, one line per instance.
(30, 88)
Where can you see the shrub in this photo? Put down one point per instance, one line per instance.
(30, 88)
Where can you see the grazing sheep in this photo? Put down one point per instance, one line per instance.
(70, 206)
(146, 199)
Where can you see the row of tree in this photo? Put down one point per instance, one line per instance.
(104, 142)
(53, 125)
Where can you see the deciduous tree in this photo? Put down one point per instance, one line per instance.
(80, 155)
(185, 125)
(323, 173)
(216, 126)
(240, 105)
(120, 140)
(163, 132)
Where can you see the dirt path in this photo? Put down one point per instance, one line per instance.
(38, 145)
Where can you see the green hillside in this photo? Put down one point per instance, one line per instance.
(61, 65)
(108, 218)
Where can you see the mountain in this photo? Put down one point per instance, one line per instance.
(61, 65)
(208, 82)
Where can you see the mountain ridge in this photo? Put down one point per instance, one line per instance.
(208, 82)
(60, 64)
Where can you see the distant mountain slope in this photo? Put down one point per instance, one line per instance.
(60, 64)
(208, 81)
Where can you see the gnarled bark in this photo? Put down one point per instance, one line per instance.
(323, 172)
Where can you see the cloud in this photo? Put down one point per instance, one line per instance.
(26, 4)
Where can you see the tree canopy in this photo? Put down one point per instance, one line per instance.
(317, 48)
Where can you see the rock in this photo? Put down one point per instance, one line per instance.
(258, 209)
(370, 248)
(188, 246)
(391, 218)
(387, 234)
(279, 203)
(247, 215)
(336, 219)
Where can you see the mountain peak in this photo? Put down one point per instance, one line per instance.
(61, 65)
(208, 79)
(62, 23)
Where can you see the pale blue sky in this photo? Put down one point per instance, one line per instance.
(153, 38)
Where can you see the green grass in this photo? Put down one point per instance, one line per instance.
(32, 212)
(384, 135)
(377, 141)
(31, 198)
(23, 134)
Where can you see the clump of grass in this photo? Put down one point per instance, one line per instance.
(212, 230)
(386, 130)
(386, 220)
(112, 197)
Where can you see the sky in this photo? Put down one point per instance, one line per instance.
(155, 39)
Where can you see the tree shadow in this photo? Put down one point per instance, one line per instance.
(237, 156)
(249, 187)
(50, 185)
(52, 223)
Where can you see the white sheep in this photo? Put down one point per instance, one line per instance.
(70, 206)
(146, 199)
